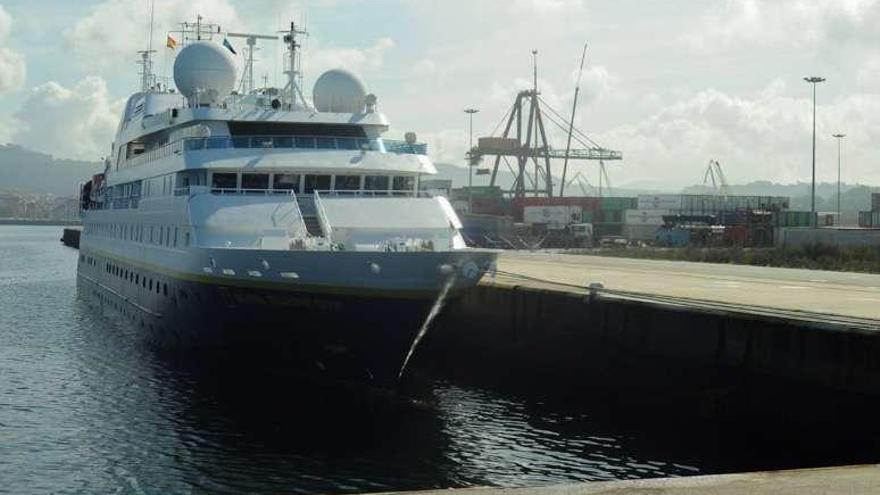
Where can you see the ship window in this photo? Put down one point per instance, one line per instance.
(238, 128)
(175, 236)
(376, 183)
(255, 181)
(347, 183)
(305, 142)
(223, 181)
(347, 143)
(316, 183)
(287, 182)
(326, 143)
(404, 183)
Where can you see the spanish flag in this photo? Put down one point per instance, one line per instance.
(171, 43)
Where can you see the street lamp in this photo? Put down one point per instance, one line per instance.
(470, 112)
(814, 80)
(839, 137)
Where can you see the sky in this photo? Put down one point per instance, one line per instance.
(671, 84)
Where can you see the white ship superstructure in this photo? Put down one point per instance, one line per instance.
(263, 217)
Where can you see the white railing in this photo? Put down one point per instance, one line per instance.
(302, 231)
(322, 218)
(362, 193)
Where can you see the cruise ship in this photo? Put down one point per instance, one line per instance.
(236, 217)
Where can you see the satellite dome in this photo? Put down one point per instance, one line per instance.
(206, 70)
(339, 91)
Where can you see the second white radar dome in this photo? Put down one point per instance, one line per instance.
(340, 91)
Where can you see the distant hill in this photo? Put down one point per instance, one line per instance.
(26, 171)
(459, 177)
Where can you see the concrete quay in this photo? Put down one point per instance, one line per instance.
(816, 295)
(851, 480)
(734, 335)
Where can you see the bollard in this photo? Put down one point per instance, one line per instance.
(594, 288)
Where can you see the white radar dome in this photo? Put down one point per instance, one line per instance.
(204, 71)
(339, 91)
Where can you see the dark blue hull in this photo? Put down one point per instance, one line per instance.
(344, 336)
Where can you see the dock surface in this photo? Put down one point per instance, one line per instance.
(850, 480)
(835, 294)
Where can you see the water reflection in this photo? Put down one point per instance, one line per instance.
(85, 406)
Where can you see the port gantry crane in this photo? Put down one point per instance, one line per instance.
(716, 174)
(525, 139)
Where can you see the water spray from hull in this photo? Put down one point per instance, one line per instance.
(435, 310)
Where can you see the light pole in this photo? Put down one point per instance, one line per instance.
(839, 137)
(470, 112)
(814, 80)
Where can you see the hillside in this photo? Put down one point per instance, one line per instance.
(26, 171)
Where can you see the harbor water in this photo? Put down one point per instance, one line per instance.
(87, 407)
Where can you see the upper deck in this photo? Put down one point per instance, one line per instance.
(158, 135)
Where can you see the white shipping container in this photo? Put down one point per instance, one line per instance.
(553, 216)
(644, 217)
(659, 201)
(647, 233)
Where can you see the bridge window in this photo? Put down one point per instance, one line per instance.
(404, 183)
(286, 182)
(376, 183)
(255, 181)
(224, 181)
(347, 183)
(316, 182)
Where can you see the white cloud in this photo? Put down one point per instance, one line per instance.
(425, 68)
(12, 63)
(799, 23)
(77, 122)
(359, 60)
(767, 136)
(115, 29)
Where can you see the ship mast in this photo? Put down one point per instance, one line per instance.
(292, 90)
(146, 61)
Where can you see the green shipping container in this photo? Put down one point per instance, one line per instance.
(619, 203)
(794, 219)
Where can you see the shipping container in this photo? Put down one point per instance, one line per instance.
(607, 229)
(791, 218)
(477, 192)
(611, 216)
(497, 144)
(640, 232)
(554, 217)
(869, 219)
(644, 217)
(875, 201)
(673, 237)
(481, 225)
(618, 203)
(659, 202)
